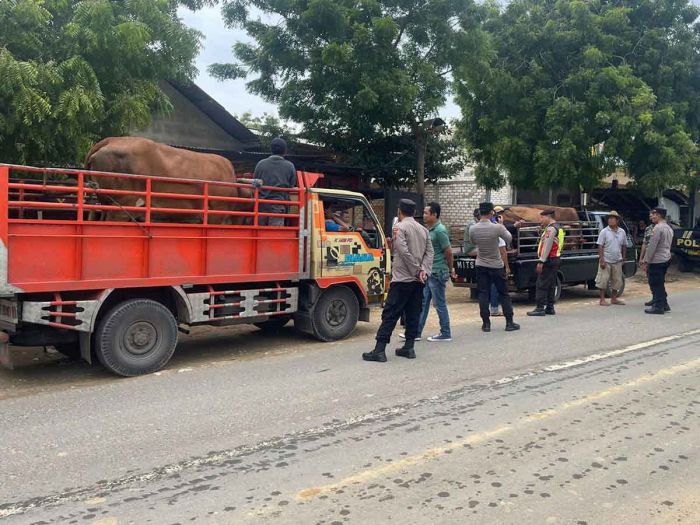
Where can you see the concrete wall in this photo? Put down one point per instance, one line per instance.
(186, 125)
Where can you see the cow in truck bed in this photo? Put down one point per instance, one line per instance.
(140, 156)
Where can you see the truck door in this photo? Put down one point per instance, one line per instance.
(353, 243)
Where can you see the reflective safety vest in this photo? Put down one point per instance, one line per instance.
(557, 245)
(560, 239)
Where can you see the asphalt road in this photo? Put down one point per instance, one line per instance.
(589, 417)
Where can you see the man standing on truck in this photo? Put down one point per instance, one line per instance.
(489, 266)
(612, 248)
(549, 252)
(413, 261)
(277, 172)
(657, 259)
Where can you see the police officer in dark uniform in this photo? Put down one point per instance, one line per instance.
(548, 251)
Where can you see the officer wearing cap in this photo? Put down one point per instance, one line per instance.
(413, 262)
(548, 253)
(657, 259)
(275, 171)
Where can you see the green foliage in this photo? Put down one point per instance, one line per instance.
(392, 161)
(576, 89)
(267, 127)
(359, 76)
(74, 72)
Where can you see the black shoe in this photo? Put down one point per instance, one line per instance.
(408, 353)
(486, 327)
(667, 308)
(649, 303)
(656, 311)
(512, 327)
(379, 357)
(537, 312)
(550, 311)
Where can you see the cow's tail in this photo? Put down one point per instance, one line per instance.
(97, 147)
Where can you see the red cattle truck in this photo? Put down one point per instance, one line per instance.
(121, 290)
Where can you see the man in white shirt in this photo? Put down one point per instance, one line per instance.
(612, 248)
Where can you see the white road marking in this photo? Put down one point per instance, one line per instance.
(597, 357)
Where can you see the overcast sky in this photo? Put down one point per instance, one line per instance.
(232, 94)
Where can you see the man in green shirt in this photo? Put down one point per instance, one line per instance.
(442, 270)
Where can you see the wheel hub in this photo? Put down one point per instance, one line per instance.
(337, 313)
(140, 338)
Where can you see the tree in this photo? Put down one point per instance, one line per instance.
(577, 89)
(76, 71)
(266, 127)
(355, 75)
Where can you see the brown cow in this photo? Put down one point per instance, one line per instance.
(531, 213)
(574, 239)
(140, 156)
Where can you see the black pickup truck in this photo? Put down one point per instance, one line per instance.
(579, 258)
(686, 248)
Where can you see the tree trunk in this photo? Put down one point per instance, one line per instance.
(421, 146)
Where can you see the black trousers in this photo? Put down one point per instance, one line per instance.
(497, 276)
(404, 298)
(657, 283)
(546, 283)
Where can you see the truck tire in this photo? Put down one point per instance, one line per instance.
(336, 313)
(273, 324)
(557, 289)
(136, 337)
(608, 292)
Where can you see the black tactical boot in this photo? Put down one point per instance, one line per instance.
(537, 312)
(511, 326)
(654, 310)
(486, 327)
(406, 350)
(667, 308)
(378, 354)
(550, 311)
(649, 303)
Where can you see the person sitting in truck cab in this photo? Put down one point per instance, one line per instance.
(335, 223)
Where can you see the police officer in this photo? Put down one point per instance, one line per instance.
(548, 250)
(413, 261)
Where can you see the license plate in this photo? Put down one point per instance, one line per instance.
(8, 311)
(465, 264)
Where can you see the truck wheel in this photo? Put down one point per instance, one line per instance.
(557, 289)
(335, 314)
(273, 324)
(136, 337)
(608, 291)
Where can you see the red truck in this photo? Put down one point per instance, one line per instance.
(120, 291)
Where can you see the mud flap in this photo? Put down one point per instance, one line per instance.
(5, 358)
(364, 314)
